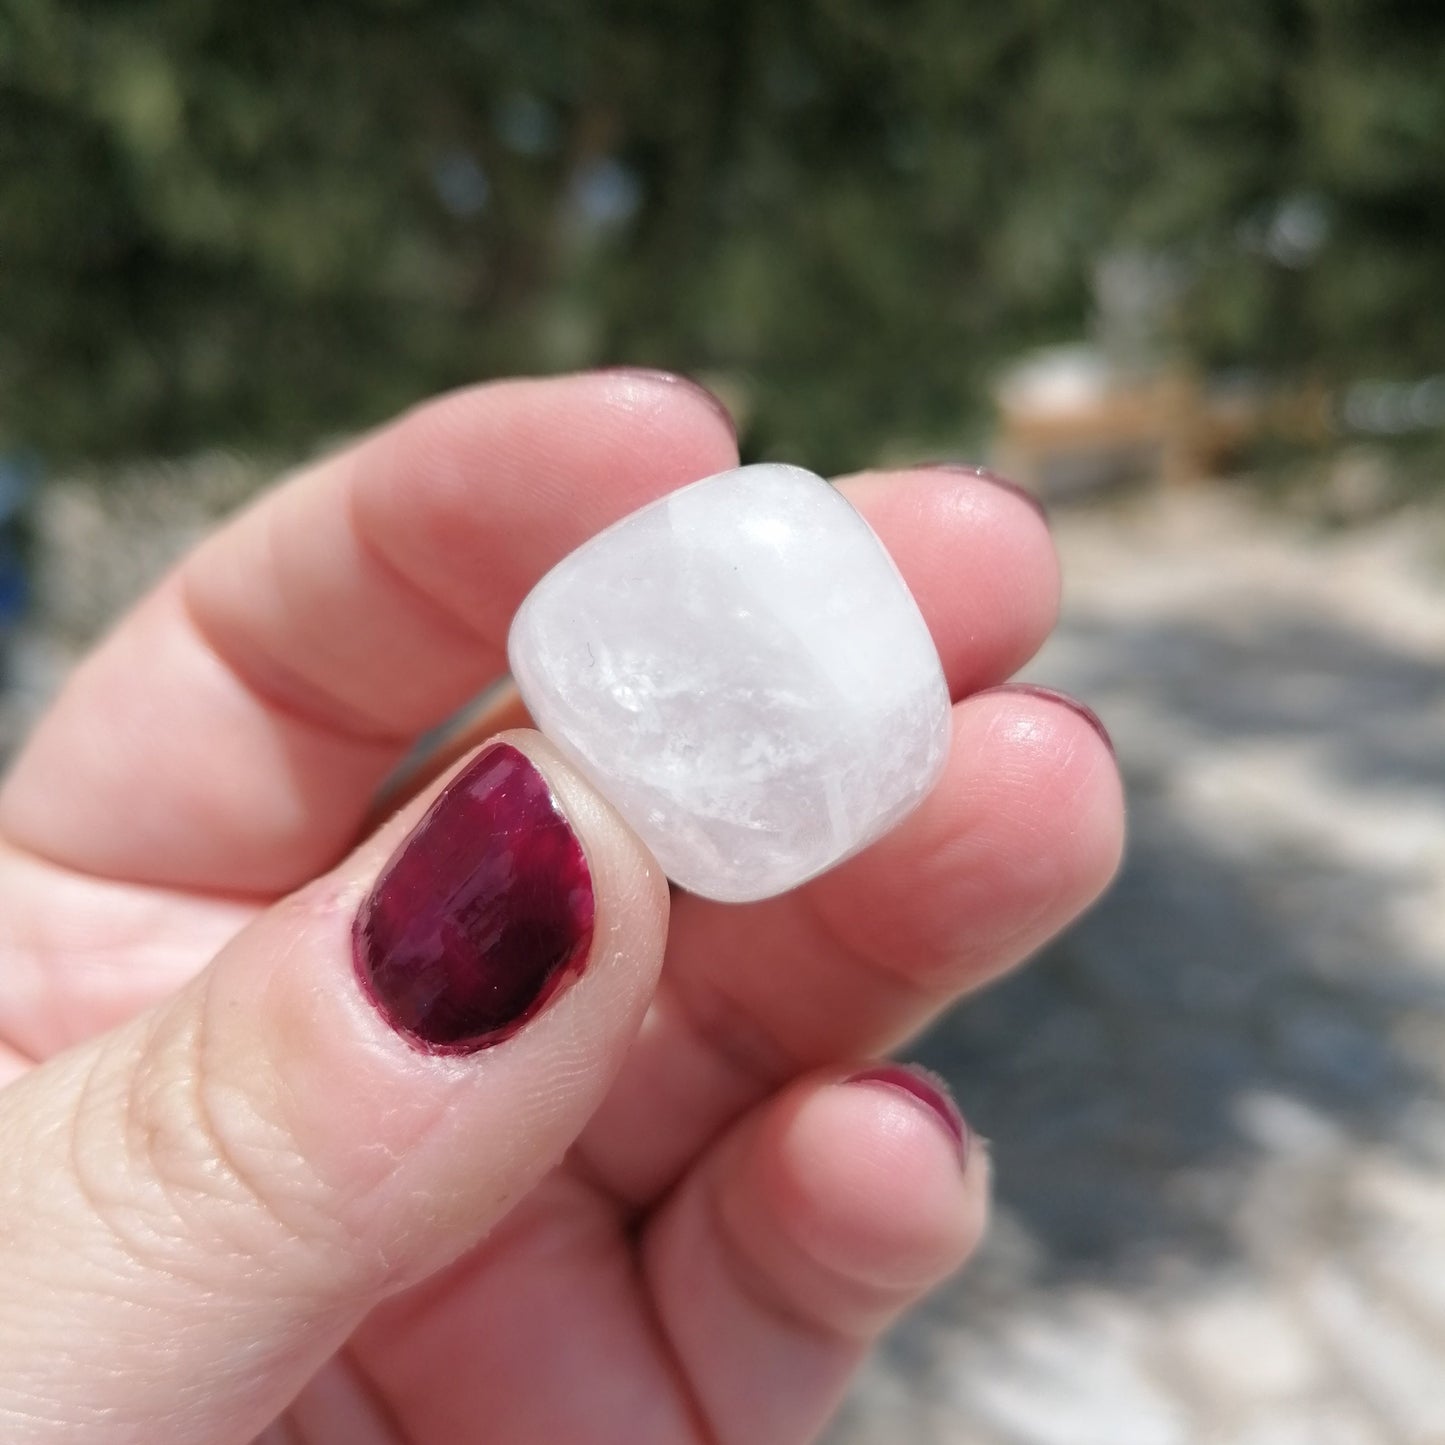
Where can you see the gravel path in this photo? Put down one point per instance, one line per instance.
(1218, 1104)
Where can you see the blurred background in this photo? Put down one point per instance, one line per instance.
(1179, 267)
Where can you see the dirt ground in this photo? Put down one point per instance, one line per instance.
(1217, 1106)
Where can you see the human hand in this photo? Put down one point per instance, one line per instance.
(234, 1200)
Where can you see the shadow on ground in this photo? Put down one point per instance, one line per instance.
(1113, 1066)
(1240, 992)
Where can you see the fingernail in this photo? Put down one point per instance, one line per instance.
(966, 469)
(685, 383)
(925, 1087)
(482, 914)
(1049, 694)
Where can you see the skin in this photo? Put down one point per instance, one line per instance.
(234, 1205)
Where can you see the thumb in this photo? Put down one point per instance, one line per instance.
(197, 1209)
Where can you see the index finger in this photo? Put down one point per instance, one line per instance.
(230, 733)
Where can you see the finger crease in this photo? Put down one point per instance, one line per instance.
(755, 1282)
(442, 613)
(285, 693)
(733, 1035)
(373, 1401)
(884, 971)
(704, 1432)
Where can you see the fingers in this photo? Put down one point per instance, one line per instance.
(353, 1093)
(976, 554)
(229, 734)
(797, 1242)
(1023, 830)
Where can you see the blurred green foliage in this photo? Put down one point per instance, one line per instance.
(257, 222)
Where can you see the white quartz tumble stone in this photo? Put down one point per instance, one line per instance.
(741, 671)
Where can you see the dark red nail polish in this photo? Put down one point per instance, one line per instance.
(481, 915)
(687, 383)
(967, 469)
(1049, 694)
(924, 1086)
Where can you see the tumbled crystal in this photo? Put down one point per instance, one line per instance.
(741, 671)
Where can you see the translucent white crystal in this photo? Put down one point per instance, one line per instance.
(740, 669)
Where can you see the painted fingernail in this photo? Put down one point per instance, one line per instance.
(967, 469)
(482, 914)
(1049, 694)
(924, 1087)
(685, 383)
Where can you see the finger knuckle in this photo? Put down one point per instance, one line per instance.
(183, 1167)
